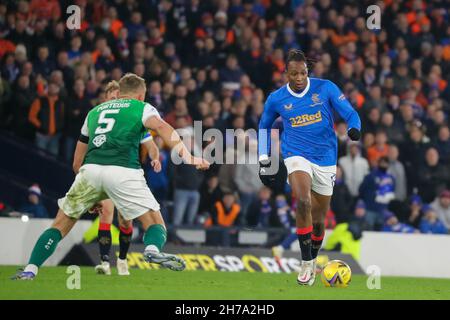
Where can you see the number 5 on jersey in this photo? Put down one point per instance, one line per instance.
(102, 119)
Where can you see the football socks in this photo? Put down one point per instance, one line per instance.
(124, 241)
(45, 246)
(304, 238)
(155, 235)
(104, 241)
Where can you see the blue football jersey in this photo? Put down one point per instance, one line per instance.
(308, 121)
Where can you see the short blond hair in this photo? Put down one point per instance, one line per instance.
(113, 85)
(131, 83)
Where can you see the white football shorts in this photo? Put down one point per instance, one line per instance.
(126, 187)
(323, 178)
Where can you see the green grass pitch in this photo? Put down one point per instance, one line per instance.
(165, 284)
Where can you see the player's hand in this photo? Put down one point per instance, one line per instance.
(354, 134)
(267, 179)
(96, 209)
(156, 165)
(200, 164)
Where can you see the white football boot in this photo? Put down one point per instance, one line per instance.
(122, 267)
(307, 274)
(103, 268)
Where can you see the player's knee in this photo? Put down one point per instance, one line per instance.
(304, 206)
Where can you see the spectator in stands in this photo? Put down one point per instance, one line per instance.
(285, 213)
(231, 74)
(433, 176)
(397, 170)
(393, 225)
(341, 201)
(210, 193)
(442, 144)
(78, 106)
(379, 149)
(377, 190)
(414, 212)
(394, 131)
(45, 9)
(180, 111)
(33, 205)
(187, 181)
(21, 101)
(44, 64)
(442, 207)
(415, 145)
(262, 211)
(158, 182)
(247, 177)
(47, 116)
(5, 97)
(359, 221)
(225, 212)
(431, 223)
(354, 168)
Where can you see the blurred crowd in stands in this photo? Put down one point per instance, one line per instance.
(216, 61)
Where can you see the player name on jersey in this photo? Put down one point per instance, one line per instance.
(113, 105)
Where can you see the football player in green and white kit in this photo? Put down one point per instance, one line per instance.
(112, 170)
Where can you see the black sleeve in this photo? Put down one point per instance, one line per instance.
(83, 138)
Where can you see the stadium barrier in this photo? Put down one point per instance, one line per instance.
(18, 239)
(412, 255)
(212, 258)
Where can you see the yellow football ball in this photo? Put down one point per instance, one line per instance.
(336, 273)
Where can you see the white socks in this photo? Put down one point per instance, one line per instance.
(151, 247)
(31, 268)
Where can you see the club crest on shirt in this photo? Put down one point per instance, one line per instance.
(315, 99)
(99, 140)
(288, 106)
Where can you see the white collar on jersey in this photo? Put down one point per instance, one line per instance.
(301, 94)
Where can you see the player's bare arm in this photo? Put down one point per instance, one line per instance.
(78, 157)
(173, 140)
(153, 153)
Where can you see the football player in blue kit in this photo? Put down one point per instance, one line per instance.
(307, 107)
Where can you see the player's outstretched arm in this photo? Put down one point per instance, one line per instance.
(173, 140)
(345, 110)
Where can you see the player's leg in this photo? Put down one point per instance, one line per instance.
(126, 232)
(155, 238)
(128, 190)
(300, 179)
(106, 216)
(46, 245)
(300, 182)
(322, 190)
(82, 195)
